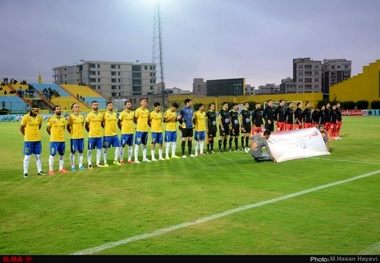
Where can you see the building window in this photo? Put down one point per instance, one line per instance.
(300, 80)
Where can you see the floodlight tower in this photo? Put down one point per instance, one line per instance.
(157, 56)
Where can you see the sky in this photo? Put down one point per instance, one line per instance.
(210, 39)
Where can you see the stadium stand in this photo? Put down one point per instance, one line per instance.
(57, 95)
(14, 103)
(85, 94)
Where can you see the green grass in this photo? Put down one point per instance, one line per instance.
(67, 213)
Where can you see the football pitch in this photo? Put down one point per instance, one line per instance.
(217, 204)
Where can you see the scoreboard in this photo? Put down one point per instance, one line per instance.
(226, 87)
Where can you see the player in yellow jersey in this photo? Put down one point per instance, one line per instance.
(56, 129)
(170, 118)
(199, 119)
(74, 126)
(141, 121)
(126, 125)
(109, 123)
(31, 129)
(155, 123)
(95, 137)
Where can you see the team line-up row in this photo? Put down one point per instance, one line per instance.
(135, 124)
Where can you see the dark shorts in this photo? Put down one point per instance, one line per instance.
(247, 128)
(226, 131)
(235, 131)
(187, 132)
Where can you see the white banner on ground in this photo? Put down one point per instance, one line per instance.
(296, 144)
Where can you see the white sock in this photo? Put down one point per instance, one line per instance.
(144, 152)
(136, 151)
(174, 146)
(160, 153)
(38, 162)
(51, 162)
(89, 157)
(130, 152)
(98, 155)
(61, 162)
(26, 163)
(80, 157)
(72, 159)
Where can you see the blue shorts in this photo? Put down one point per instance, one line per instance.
(109, 141)
(157, 137)
(170, 136)
(126, 139)
(200, 135)
(95, 143)
(32, 148)
(57, 147)
(141, 138)
(76, 145)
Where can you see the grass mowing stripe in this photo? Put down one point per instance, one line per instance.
(216, 216)
(344, 161)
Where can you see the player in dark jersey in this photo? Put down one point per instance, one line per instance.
(224, 126)
(289, 117)
(211, 127)
(268, 115)
(339, 120)
(245, 122)
(327, 116)
(279, 116)
(321, 116)
(333, 123)
(235, 130)
(306, 116)
(257, 120)
(298, 117)
(315, 116)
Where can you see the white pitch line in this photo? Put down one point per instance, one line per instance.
(215, 216)
(371, 250)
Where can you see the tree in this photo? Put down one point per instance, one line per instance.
(349, 105)
(362, 104)
(375, 104)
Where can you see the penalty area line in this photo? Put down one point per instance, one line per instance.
(215, 216)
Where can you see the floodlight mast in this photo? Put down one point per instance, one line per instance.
(157, 55)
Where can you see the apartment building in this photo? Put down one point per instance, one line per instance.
(112, 79)
(335, 71)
